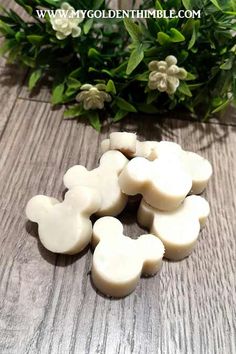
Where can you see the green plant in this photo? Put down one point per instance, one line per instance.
(116, 53)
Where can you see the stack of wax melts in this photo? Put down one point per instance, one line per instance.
(169, 180)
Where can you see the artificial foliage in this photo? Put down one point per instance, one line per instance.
(113, 60)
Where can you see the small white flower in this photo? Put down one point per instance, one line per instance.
(66, 22)
(93, 97)
(165, 75)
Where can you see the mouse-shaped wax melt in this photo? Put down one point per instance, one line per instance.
(178, 229)
(104, 179)
(129, 145)
(163, 183)
(119, 261)
(65, 227)
(198, 167)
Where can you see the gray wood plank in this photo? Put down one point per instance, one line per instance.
(10, 85)
(47, 302)
(226, 117)
(41, 93)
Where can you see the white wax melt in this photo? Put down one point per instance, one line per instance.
(122, 141)
(65, 227)
(163, 183)
(129, 145)
(119, 261)
(198, 168)
(178, 229)
(104, 179)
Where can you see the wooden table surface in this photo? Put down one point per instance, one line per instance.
(47, 301)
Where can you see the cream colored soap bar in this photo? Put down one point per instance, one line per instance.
(119, 261)
(65, 227)
(163, 183)
(199, 168)
(104, 179)
(178, 229)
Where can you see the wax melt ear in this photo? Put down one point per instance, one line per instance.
(105, 145)
(83, 199)
(72, 176)
(200, 170)
(106, 228)
(137, 170)
(113, 160)
(152, 251)
(165, 148)
(124, 142)
(38, 206)
(199, 207)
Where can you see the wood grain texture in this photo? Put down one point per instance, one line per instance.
(11, 79)
(47, 301)
(41, 93)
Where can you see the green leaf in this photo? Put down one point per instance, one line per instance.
(35, 39)
(158, 5)
(69, 94)
(187, 4)
(124, 105)
(34, 78)
(19, 36)
(107, 72)
(74, 112)
(190, 77)
(163, 38)
(50, 2)
(193, 39)
(28, 61)
(227, 65)
(195, 86)
(94, 120)
(183, 88)
(76, 73)
(133, 29)
(152, 96)
(110, 87)
(73, 83)
(94, 54)
(222, 106)
(5, 29)
(135, 59)
(215, 2)
(120, 115)
(88, 25)
(6, 46)
(176, 36)
(147, 108)
(142, 77)
(97, 4)
(152, 26)
(57, 93)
